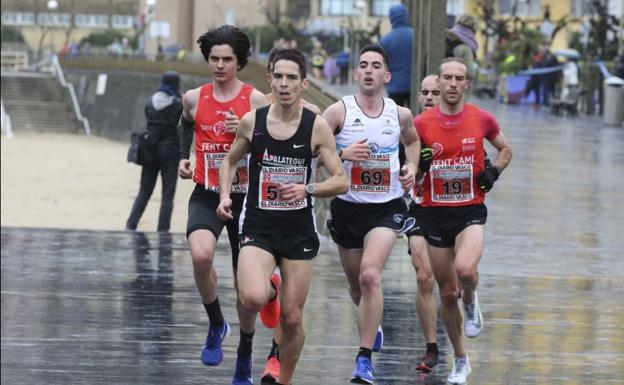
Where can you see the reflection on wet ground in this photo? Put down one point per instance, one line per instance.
(85, 307)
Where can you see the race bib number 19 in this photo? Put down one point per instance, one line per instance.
(451, 183)
(212, 162)
(371, 175)
(270, 180)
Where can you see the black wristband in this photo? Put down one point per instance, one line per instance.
(185, 137)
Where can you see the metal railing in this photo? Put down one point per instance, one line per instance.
(58, 71)
(6, 121)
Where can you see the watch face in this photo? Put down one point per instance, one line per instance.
(309, 188)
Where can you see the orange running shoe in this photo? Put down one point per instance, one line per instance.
(271, 371)
(270, 313)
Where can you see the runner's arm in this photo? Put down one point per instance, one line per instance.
(186, 128)
(411, 141)
(324, 143)
(237, 152)
(493, 133)
(504, 155)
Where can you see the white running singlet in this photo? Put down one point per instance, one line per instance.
(375, 180)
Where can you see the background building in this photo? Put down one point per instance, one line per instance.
(177, 23)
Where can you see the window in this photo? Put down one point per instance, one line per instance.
(18, 18)
(455, 7)
(382, 7)
(585, 8)
(123, 21)
(54, 19)
(523, 7)
(91, 20)
(342, 7)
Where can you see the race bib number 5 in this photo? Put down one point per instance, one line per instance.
(451, 183)
(212, 162)
(371, 175)
(270, 180)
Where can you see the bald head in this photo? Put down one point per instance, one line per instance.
(429, 95)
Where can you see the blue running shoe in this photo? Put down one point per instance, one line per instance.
(212, 354)
(242, 375)
(378, 340)
(363, 373)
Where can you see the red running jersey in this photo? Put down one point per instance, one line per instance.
(458, 154)
(212, 143)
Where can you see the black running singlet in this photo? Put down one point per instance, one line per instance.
(273, 162)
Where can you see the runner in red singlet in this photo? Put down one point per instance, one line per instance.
(212, 112)
(454, 192)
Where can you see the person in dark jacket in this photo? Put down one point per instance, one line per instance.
(398, 46)
(162, 111)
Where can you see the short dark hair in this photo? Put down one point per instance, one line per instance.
(293, 55)
(230, 35)
(271, 58)
(452, 60)
(375, 48)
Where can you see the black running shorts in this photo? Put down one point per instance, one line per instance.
(443, 224)
(415, 211)
(202, 214)
(289, 246)
(350, 222)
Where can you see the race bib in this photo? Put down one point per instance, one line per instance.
(212, 162)
(270, 180)
(371, 175)
(417, 192)
(451, 183)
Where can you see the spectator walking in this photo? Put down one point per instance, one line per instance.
(398, 46)
(162, 112)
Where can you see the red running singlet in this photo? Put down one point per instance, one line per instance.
(212, 142)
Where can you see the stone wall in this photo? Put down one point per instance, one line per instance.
(120, 110)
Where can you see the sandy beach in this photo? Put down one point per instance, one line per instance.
(75, 181)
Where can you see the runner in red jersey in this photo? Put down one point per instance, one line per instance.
(212, 112)
(456, 180)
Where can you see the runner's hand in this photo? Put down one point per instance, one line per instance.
(487, 177)
(184, 169)
(357, 151)
(407, 177)
(231, 122)
(292, 192)
(425, 159)
(224, 211)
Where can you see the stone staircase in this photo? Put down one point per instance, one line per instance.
(36, 102)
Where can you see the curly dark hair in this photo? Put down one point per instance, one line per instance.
(230, 35)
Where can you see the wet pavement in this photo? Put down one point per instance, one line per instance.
(95, 307)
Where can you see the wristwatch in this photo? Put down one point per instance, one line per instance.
(309, 188)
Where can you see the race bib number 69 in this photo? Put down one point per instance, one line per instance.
(371, 175)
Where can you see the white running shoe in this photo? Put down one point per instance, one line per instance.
(473, 320)
(460, 372)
